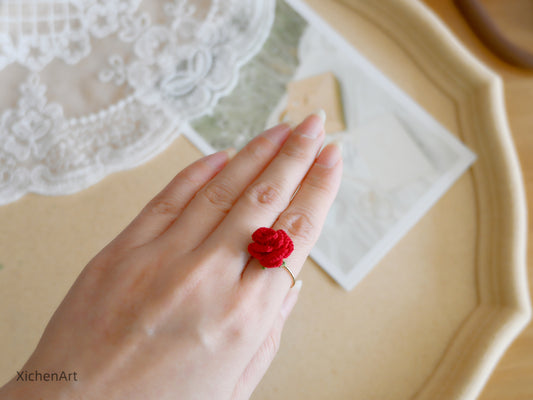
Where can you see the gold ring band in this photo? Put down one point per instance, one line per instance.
(290, 272)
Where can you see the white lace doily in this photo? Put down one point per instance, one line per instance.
(95, 86)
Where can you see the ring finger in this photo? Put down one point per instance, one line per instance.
(302, 220)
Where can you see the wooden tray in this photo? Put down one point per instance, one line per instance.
(459, 276)
(431, 320)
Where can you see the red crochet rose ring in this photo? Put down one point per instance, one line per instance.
(271, 247)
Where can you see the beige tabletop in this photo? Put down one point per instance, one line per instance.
(512, 379)
(335, 343)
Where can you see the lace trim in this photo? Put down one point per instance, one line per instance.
(173, 72)
(36, 31)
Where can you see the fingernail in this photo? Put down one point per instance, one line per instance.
(330, 155)
(277, 134)
(340, 145)
(217, 160)
(312, 128)
(321, 114)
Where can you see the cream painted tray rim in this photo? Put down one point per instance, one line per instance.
(503, 299)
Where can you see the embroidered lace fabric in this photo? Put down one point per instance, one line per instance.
(91, 86)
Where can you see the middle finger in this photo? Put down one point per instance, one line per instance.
(264, 200)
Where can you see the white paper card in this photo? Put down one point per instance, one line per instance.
(398, 160)
(392, 157)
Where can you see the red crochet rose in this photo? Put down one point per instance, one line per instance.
(270, 247)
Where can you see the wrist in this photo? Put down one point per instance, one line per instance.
(24, 390)
(12, 391)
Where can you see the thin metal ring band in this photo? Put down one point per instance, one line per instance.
(290, 272)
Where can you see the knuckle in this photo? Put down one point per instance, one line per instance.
(266, 194)
(271, 345)
(320, 181)
(299, 224)
(240, 323)
(259, 148)
(163, 206)
(243, 319)
(296, 149)
(190, 177)
(219, 195)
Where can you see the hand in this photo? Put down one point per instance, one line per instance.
(173, 307)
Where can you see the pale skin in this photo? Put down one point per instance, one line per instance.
(174, 307)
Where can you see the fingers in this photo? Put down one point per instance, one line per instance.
(262, 359)
(164, 208)
(268, 195)
(214, 201)
(302, 220)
